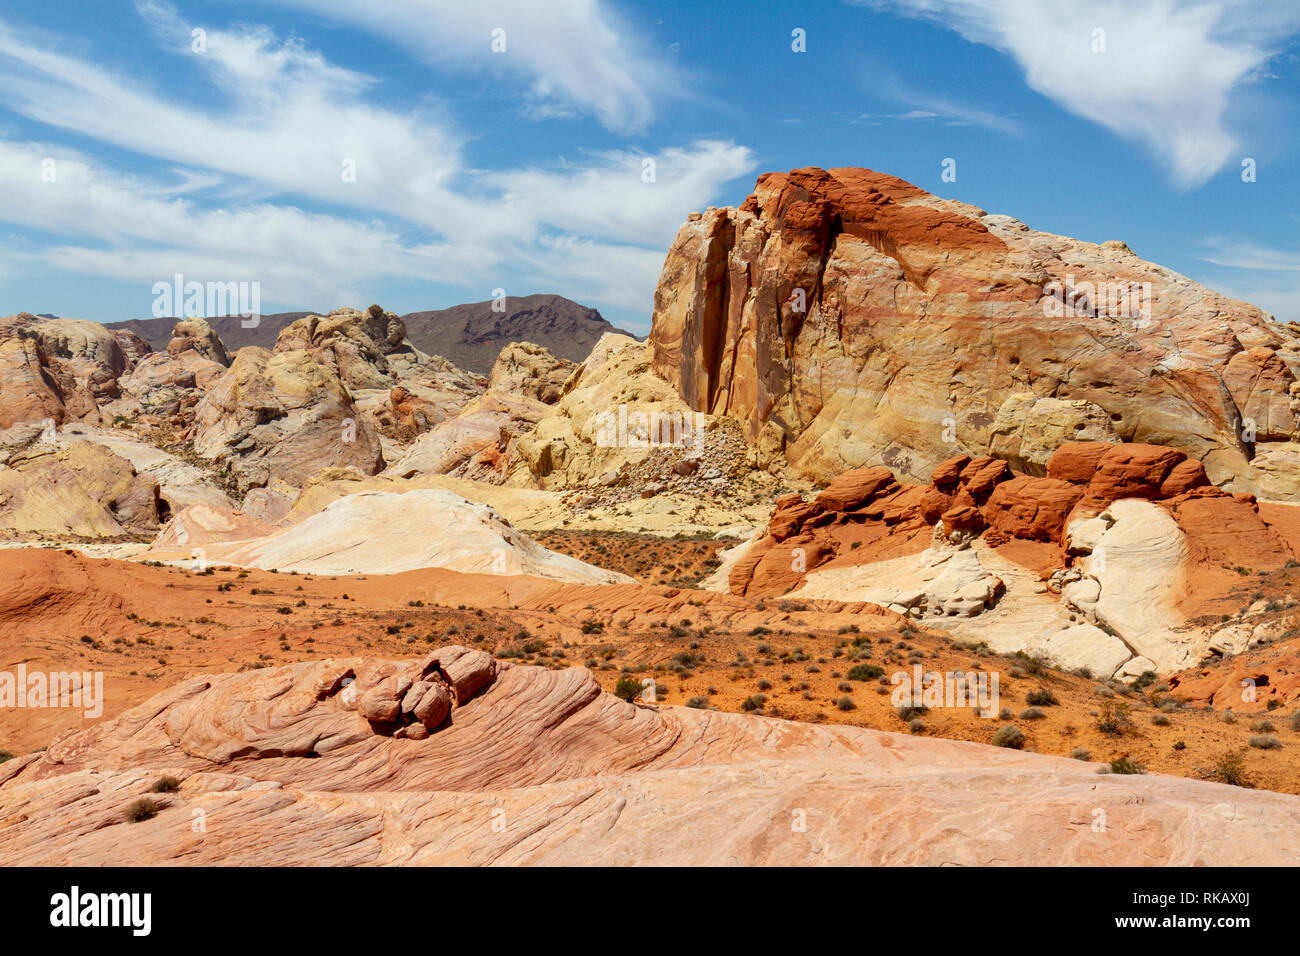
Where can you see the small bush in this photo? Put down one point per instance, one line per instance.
(1264, 742)
(916, 726)
(1033, 663)
(865, 672)
(1042, 697)
(1009, 736)
(141, 810)
(1114, 720)
(905, 714)
(1262, 727)
(1230, 768)
(699, 703)
(165, 785)
(1125, 764)
(1081, 753)
(5, 755)
(755, 702)
(846, 703)
(1160, 720)
(1032, 713)
(627, 688)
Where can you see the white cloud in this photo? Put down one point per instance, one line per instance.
(1268, 278)
(572, 52)
(610, 198)
(1168, 73)
(1245, 254)
(284, 121)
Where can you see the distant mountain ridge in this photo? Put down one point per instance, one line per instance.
(470, 335)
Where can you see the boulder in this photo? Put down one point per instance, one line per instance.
(282, 415)
(76, 488)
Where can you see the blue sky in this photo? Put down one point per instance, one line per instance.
(133, 148)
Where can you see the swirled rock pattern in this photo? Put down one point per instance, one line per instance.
(542, 767)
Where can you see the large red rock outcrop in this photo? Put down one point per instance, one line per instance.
(849, 318)
(866, 515)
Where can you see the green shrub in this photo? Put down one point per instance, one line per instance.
(846, 703)
(1125, 764)
(755, 702)
(699, 703)
(627, 687)
(1042, 697)
(864, 672)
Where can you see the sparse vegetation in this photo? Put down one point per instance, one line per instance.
(1114, 720)
(1009, 736)
(627, 688)
(165, 784)
(1230, 768)
(141, 810)
(1125, 764)
(865, 672)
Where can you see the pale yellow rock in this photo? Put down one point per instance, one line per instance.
(1029, 429)
(282, 415)
(75, 488)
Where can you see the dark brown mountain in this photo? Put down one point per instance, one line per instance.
(470, 335)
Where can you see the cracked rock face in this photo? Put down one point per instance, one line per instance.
(456, 759)
(849, 318)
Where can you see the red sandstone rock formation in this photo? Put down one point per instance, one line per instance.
(849, 318)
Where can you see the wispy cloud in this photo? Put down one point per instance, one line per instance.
(251, 172)
(1162, 72)
(574, 54)
(1245, 254)
(928, 107)
(1263, 276)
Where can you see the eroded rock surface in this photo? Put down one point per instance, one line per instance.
(457, 759)
(848, 318)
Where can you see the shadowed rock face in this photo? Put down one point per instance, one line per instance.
(334, 762)
(850, 318)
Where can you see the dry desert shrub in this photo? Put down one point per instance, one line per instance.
(1009, 736)
(141, 810)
